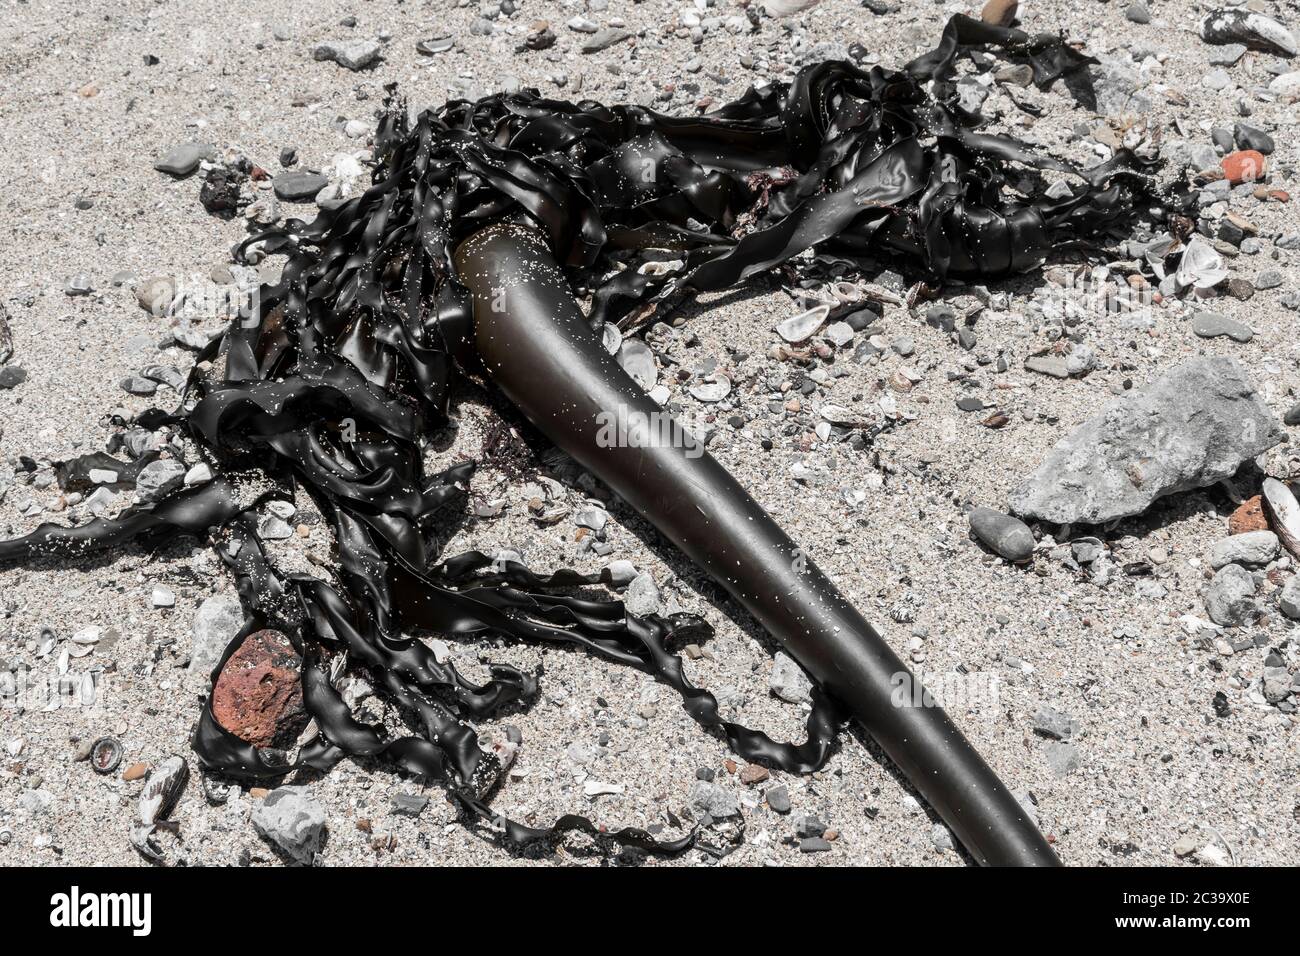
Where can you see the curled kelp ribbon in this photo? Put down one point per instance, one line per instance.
(334, 381)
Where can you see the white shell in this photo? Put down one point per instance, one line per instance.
(1285, 512)
(799, 327)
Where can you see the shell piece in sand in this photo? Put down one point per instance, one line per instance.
(1284, 512)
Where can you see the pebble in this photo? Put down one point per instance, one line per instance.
(11, 376)
(713, 800)
(156, 295)
(778, 799)
(1209, 325)
(643, 597)
(1244, 166)
(217, 621)
(1289, 599)
(158, 478)
(258, 694)
(1001, 13)
(184, 159)
(1050, 722)
(1251, 137)
(814, 845)
(293, 821)
(1230, 597)
(350, 54)
(1250, 548)
(1062, 758)
(298, 186)
(788, 680)
(162, 597)
(1007, 536)
(809, 826)
(604, 39)
(1138, 12)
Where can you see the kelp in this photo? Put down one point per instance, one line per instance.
(334, 383)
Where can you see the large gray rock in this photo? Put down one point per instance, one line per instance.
(293, 821)
(1230, 597)
(1190, 428)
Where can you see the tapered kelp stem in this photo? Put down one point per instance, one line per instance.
(536, 345)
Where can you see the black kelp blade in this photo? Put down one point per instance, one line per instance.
(334, 382)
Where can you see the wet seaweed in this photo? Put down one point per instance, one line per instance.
(334, 382)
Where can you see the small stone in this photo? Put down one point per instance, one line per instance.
(1138, 12)
(753, 773)
(788, 680)
(258, 694)
(941, 837)
(162, 597)
(1289, 599)
(156, 295)
(1185, 846)
(158, 478)
(1249, 516)
(621, 573)
(604, 39)
(809, 826)
(217, 621)
(1007, 536)
(1209, 325)
(1062, 758)
(713, 800)
(1230, 597)
(135, 771)
(409, 804)
(1252, 137)
(1251, 548)
(643, 597)
(298, 186)
(1244, 166)
(184, 159)
(814, 845)
(291, 820)
(350, 54)
(1050, 722)
(778, 799)
(11, 376)
(1000, 13)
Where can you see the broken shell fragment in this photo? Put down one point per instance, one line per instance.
(800, 327)
(1284, 511)
(162, 790)
(1254, 30)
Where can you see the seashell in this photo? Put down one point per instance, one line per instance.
(105, 755)
(1284, 512)
(800, 327)
(661, 268)
(639, 362)
(839, 415)
(1200, 266)
(1252, 29)
(161, 792)
(714, 390)
(45, 643)
(88, 635)
(611, 338)
(163, 789)
(595, 788)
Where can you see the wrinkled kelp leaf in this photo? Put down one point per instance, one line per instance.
(369, 326)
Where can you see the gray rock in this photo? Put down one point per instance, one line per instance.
(138, 385)
(1009, 537)
(1228, 54)
(184, 159)
(156, 294)
(1062, 758)
(1050, 722)
(643, 596)
(409, 804)
(11, 376)
(1052, 365)
(217, 621)
(291, 820)
(814, 845)
(717, 802)
(1138, 13)
(778, 799)
(941, 837)
(350, 54)
(298, 186)
(809, 826)
(621, 573)
(604, 39)
(1209, 325)
(1192, 427)
(788, 681)
(1289, 599)
(1250, 548)
(1230, 597)
(157, 478)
